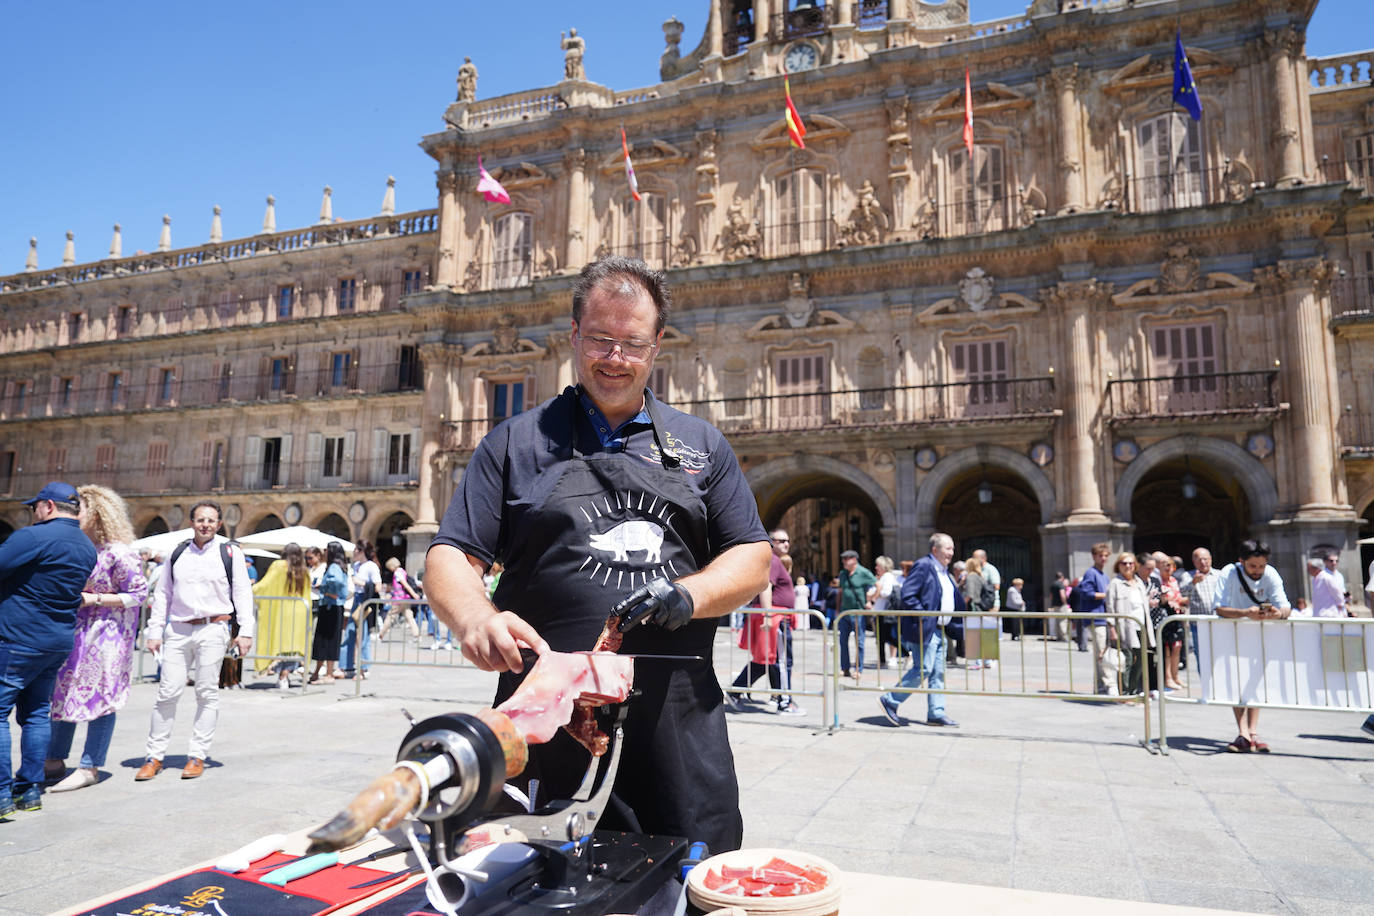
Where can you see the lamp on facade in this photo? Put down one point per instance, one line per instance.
(984, 489)
(1189, 482)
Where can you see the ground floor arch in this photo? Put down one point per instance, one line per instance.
(986, 499)
(827, 506)
(334, 525)
(390, 539)
(155, 525)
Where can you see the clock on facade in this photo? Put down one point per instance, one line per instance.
(801, 56)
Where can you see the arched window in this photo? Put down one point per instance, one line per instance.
(1170, 166)
(511, 251)
(977, 194)
(800, 226)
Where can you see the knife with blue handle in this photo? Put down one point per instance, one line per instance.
(300, 868)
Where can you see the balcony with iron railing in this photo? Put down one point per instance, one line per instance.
(1357, 172)
(1356, 432)
(954, 404)
(141, 479)
(208, 311)
(1202, 397)
(1352, 300)
(1186, 189)
(310, 378)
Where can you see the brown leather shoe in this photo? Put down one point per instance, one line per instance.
(149, 769)
(194, 767)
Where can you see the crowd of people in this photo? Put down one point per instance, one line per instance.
(72, 590)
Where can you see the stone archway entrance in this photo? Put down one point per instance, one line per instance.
(993, 509)
(1213, 512)
(156, 525)
(827, 506)
(391, 541)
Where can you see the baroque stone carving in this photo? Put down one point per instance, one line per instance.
(1179, 272)
(472, 277)
(573, 48)
(926, 221)
(975, 290)
(799, 307)
(867, 222)
(1033, 204)
(687, 250)
(1073, 292)
(504, 335)
(1238, 181)
(740, 238)
(467, 81)
(706, 168)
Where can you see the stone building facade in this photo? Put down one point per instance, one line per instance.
(1109, 323)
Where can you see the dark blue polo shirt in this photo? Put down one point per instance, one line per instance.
(43, 569)
(517, 465)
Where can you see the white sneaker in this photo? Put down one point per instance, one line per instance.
(790, 709)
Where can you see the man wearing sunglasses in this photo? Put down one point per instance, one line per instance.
(42, 570)
(604, 500)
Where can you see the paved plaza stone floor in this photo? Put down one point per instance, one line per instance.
(1052, 794)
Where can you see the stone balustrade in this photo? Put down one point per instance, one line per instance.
(1341, 71)
(414, 223)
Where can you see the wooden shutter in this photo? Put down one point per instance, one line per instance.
(314, 458)
(350, 446)
(252, 462)
(800, 381)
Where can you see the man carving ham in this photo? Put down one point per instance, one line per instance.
(589, 507)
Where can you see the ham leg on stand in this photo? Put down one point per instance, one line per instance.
(546, 700)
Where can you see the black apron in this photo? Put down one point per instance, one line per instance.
(614, 521)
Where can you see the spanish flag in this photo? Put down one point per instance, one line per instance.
(796, 130)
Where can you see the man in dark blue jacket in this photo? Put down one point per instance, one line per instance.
(928, 587)
(43, 569)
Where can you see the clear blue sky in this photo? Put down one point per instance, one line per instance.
(124, 112)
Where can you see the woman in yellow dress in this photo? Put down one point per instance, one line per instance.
(283, 599)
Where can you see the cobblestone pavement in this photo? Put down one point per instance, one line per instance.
(1049, 793)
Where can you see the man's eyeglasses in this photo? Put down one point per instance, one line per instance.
(601, 347)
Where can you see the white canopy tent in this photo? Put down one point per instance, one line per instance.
(278, 538)
(163, 544)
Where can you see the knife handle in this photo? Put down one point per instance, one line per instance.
(306, 866)
(240, 859)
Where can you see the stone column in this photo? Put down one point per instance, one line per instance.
(450, 228)
(1283, 47)
(435, 409)
(575, 161)
(1065, 80)
(1074, 300)
(715, 36)
(761, 16)
(1302, 286)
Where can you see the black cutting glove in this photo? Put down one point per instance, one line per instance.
(662, 602)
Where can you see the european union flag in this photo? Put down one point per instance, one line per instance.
(1185, 90)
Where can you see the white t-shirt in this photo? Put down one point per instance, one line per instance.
(889, 584)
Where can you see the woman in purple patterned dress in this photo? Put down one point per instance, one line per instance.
(94, 680)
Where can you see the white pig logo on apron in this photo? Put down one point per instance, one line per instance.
(616, 551)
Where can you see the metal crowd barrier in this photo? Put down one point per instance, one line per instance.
(1316, 664)
(803, 675)
(402, 652)
(285, 622)
(284, 634)
(1027, 670)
